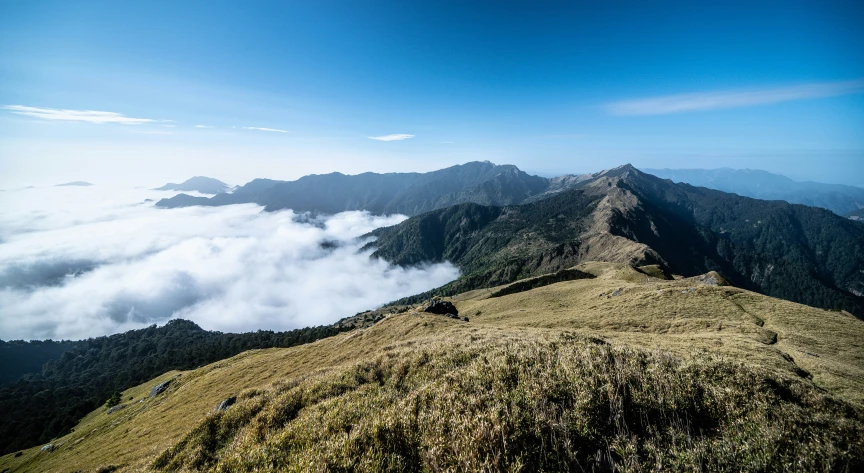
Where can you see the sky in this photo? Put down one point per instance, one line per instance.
(144, 93)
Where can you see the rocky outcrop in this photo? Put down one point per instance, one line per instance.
(441, 307)
(159, 388)
(224, 405)
(116, 408)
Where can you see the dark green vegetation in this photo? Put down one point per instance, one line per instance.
(204, 185)
(114, 400)
(568, 403)
(19, 357)
(837, 198)
(403, 193)
(491, 245)
(540, 281)
(41, 406)
(803, 254)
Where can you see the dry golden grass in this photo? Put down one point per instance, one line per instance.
(818, 351)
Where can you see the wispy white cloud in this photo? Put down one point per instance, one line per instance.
(394, 137)
(89, 116)
(203, 126)
(732, 98)
(263, 129)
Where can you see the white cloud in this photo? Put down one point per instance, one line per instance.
(263, 129)
(88, 261)
(394, 137)
(89, 116)
(732, 98)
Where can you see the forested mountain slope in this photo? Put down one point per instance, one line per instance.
(795, 252)
(40, 406)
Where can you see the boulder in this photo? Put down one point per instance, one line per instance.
(159, 388)
(116, 408)
(47, 448)
(464, 319)
(224, 405)
(437, 306)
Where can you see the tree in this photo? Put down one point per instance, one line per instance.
(114, 400)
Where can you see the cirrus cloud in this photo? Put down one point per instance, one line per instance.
(258, 128)
(393, 137)
(89, 116)
(701, 101)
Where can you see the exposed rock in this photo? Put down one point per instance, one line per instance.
(711, 278)
(464, 319)
(437, 306)
(116, 408)
(159, 388)
(48, 448)
(224, 405)
(617, 292)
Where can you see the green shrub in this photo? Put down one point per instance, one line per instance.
(113, 400)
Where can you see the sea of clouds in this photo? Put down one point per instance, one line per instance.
(77, 262)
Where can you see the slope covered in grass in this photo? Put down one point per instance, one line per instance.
(552, 404)
(668, 374)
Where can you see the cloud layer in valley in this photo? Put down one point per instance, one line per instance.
(88, 261)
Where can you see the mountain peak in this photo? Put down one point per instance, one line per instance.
(202, 184)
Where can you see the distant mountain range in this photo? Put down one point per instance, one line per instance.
(403, 193)
(75, 183)
(204, 185)
(799, 253)
(837, 198)
(499, 224)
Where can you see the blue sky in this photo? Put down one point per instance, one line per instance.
(238, 90)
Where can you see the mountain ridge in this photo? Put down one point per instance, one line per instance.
(623, 215)
(403, 193)
(839, 198)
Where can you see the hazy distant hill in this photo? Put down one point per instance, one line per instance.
(405, 193)
(856, 215)
(75, 183)
(838, 198)
(204, 185)
(803, 254)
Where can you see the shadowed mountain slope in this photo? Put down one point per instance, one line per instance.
(798, 253)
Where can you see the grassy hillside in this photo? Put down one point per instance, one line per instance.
(621, 369)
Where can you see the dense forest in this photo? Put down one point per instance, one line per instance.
(41, 406)
(19, 357)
